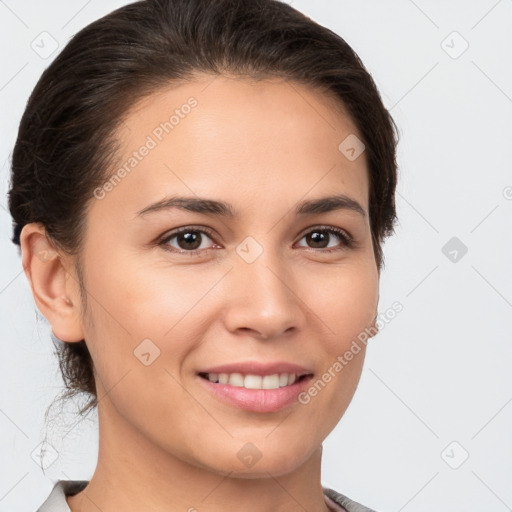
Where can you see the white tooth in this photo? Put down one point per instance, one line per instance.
(236, 379)
(270, 381)
(252, 381)
(283, 380)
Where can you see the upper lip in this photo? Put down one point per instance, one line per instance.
(257, 368)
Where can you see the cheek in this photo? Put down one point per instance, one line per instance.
(345, 300)
(149, 300)
(141, 314)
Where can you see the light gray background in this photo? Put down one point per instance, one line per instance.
(439, 372)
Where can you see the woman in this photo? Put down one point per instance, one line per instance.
(251, 133)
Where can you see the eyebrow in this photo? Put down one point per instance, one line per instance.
(222, 209)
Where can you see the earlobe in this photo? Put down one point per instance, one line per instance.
(55, 289)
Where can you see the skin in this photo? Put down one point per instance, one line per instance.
(166, 443)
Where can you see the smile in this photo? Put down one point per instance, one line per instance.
(247, 392)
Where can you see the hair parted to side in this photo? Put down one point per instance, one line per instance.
(66, 146)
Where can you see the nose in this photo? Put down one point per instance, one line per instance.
(263, 299)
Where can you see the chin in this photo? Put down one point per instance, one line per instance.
(250, 463)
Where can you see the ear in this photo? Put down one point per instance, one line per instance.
(56, 291)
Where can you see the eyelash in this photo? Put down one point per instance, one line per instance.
(347, 241)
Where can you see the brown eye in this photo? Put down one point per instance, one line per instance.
(320, 238)
(188, 241)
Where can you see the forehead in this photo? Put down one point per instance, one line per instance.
(250, 141)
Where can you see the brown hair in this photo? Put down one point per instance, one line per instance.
(65, 146)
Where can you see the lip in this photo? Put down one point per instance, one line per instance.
(257, 368)
(257, 400)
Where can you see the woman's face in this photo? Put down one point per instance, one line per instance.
(265, 285)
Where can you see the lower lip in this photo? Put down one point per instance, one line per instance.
(257, 400)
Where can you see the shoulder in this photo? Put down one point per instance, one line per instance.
(348, 504)
(56, 501)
